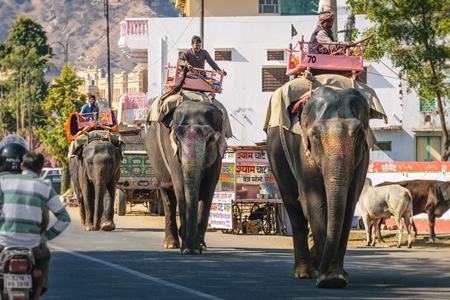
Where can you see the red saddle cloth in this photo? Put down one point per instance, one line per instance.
(77, 124)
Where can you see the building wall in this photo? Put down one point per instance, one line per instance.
(248, 38)
(96, 82)
(232, 8)
(222, 8)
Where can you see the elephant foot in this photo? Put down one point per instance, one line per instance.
(332, 280)
(203, 246)
(171, 243)
(191, 251)
(90, 227)
(108, 226)
(301, 272)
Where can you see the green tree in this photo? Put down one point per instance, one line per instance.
(29, 34)
(63, 99)
(415, 36)
(22, 60)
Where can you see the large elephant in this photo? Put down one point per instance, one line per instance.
(186, 155)
(94, 173)
(321, 174)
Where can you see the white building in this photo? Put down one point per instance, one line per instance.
(251, 51)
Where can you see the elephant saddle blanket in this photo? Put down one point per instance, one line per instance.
(278, 113)
(158, 111)
(81, 141)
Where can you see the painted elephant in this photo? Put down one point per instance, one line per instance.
(94, 173)
(186, 157)
(321, 174)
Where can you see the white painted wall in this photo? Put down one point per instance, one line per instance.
(249, 38)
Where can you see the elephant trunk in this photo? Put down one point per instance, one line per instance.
(193, 147)
(337, 168)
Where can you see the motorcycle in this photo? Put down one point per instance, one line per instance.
(16, 273)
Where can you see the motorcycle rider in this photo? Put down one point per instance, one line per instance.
(23, 199)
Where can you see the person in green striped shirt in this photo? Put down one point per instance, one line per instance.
(24, 219)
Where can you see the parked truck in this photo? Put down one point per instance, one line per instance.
(137, 183)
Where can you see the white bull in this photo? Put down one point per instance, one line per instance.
(381, 202)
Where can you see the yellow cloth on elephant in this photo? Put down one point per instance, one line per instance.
(104, 135)
(278, 114)
(157, 111)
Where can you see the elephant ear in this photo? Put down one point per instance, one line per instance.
(173, 144)
(222, 143)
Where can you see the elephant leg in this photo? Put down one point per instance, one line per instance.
(288, 186)
(206, 195)
(88, 197)
(107, 221)
(303, 267)
(304, 261)
(171, 240)
(82, 212)
(80, 199)
(203, 211)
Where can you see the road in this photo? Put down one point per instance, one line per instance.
(129, 263)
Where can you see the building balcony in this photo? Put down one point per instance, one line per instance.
(133, 32)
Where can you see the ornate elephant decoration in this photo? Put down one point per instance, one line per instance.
(94, 173)
(320, 174)
(185, 151)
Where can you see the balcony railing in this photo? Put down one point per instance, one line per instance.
(134, 27)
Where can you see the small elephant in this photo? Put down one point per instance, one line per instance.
(186, 157)
(320, 174)
(94, 174)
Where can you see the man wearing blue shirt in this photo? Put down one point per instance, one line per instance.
(90, 110)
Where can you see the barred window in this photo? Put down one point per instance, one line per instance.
(275, 55)
(222, 55)
(268, 7)
(273, 78)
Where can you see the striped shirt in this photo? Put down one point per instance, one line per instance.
(24, 197)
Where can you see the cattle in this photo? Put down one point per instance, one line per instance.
(429, 196)
(377, 203)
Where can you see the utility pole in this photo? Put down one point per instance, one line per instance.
(66, 53)
(30, 135)
(202, 21)
(106, 11)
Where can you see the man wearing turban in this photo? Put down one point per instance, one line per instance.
(322, 40)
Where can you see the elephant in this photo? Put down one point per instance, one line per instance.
(320, 173)
(185, 151)
(94, 173)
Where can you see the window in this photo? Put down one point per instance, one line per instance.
(428, 148)
(427, 105)
(275, 55)
(273, 78)
(382, 146)
(268, 6)
(222, 55)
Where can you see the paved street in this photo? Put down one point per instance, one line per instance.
(129, 263)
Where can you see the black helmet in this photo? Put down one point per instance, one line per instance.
(12, 148)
